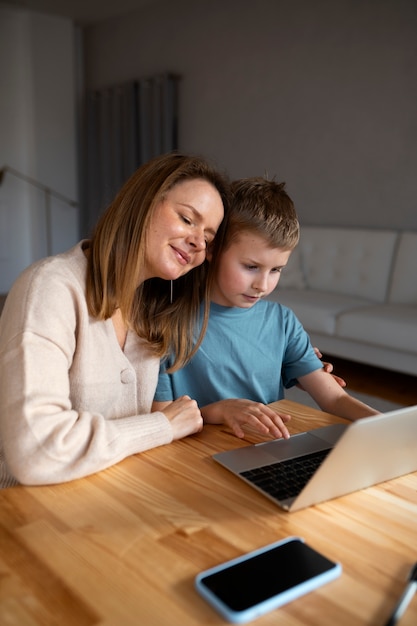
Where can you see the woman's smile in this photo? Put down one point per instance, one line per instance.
(183, 257)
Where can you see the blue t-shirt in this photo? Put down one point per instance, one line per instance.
(246, 353)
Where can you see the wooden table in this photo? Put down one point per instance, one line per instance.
(123, 546)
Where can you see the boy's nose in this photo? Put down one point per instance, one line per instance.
(261, 283)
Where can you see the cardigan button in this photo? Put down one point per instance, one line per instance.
(127, 376)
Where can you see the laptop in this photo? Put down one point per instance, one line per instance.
(339, 459)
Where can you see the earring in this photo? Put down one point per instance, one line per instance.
(172, 292)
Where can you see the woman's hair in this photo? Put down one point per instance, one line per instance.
(117, 254)
(263, 206)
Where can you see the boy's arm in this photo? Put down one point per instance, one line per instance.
(164, 393)
(159, 406)
(238, 412)
(330, 396)
(328, 367)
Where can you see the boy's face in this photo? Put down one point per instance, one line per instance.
(248, 271)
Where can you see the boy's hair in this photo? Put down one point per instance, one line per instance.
(263, 207)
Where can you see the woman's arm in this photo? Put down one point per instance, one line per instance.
(69, 403)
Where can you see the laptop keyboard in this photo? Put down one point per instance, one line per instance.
(286, 479)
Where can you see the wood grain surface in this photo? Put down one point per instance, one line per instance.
(122, 547)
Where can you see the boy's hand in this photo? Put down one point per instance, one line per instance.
(236, 412)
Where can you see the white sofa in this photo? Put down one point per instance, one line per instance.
(355, 292)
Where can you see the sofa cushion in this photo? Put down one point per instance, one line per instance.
(403, 284)
(349, 261)
(316, 310)
(388, 325)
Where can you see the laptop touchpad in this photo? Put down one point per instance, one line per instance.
(296, 445)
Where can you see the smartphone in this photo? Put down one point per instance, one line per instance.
(253, 584)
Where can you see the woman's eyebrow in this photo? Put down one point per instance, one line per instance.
(198, 215)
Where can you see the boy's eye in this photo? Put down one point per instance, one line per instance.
(276, 270)
(186, 220)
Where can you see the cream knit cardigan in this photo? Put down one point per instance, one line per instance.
(71, 401)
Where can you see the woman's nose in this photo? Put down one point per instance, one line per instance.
(197, 240)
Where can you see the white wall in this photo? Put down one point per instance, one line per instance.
(38, 136)
(319, 93)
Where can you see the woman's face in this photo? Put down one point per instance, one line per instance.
(182, 226)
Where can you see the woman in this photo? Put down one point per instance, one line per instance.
(82, 333)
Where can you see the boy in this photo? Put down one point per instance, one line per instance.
(253, 348)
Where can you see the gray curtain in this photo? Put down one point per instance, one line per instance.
(125, 126)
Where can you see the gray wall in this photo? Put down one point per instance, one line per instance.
(38, 136)
(319, 93)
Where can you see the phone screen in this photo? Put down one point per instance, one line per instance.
(271, 573)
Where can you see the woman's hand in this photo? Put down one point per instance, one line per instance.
(241, 412)
(185, 417)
